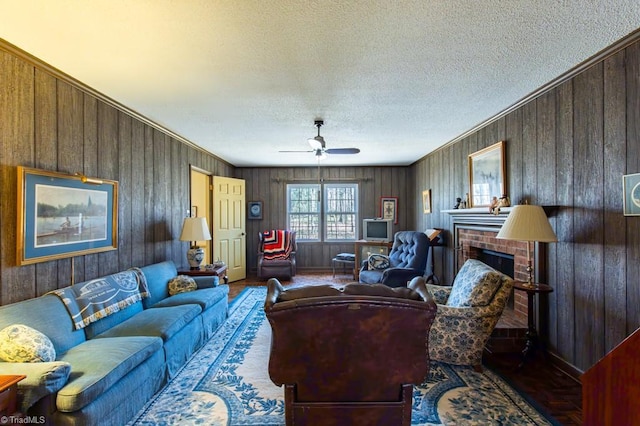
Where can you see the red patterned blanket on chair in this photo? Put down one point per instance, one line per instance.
(276, 244)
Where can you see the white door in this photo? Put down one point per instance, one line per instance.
(229, 230)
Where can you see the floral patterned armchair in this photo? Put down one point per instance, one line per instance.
(467, 313)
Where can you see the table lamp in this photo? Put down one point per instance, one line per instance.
(195, 229)
(527, 223)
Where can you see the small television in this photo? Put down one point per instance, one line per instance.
(377, 230)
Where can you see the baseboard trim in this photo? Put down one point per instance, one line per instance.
(566, 368)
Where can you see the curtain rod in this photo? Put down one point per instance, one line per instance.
(278, 180)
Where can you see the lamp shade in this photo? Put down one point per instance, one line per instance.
(527, 223)
(195, 229)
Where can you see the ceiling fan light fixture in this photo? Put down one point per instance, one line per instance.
(316, 142)
(318, 146)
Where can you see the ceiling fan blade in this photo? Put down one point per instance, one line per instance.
(342, 151)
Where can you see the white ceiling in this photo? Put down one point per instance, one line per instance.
(246, 79)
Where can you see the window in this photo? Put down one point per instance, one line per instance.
(332, 218)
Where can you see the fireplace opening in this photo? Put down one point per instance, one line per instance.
(503, 262)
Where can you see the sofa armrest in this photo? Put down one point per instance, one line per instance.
(394, 277)
(471, 313)
(43, 378)
(204, 282)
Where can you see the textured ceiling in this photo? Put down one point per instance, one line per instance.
(246, 79)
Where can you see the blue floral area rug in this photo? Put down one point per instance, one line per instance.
(227, 383)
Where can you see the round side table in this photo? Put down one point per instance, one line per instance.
(532, 335)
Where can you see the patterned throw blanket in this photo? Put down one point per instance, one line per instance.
(276, 244)
(89, 301)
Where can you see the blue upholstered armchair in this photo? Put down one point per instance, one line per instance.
(407, 259)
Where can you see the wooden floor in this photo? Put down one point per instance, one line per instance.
(547, 388)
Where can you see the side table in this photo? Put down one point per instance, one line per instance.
(345, 263)
(220, 272)
(532, 335)
(9, 393)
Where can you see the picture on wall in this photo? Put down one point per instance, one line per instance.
(631, 190)
(426, 201)
(254, 210)
(62, 215)
(389, 208)
(486, 175)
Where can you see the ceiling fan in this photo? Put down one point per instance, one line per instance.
(318, 146)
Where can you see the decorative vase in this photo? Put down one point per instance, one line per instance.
(195, 255)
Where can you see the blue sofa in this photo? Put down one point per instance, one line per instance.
(106, 372)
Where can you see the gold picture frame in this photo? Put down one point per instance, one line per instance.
(61, 215)
(487, 175)
(426, 201)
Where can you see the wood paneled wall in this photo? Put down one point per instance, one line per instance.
(52, 123)
(568, 147)
(269, 186)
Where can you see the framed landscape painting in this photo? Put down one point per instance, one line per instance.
(62, 215)
(486, 175)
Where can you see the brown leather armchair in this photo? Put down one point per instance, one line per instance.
(349, 355)
(277, 254)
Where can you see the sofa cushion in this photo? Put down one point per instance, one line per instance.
(158, 276)
(181, 284)
(204, 297)
(43, 378)
(19, 343)
(475, 285)
(98, 364)
(48, 315)
(370, 277)
(162, 322)
(104, 324)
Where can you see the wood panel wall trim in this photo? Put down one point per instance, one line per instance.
(563, 78)
(62, 76)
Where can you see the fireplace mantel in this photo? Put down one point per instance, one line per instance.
(479, 216)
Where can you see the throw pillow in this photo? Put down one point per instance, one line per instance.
(19, 343)
(378, 262)
(182, 284)
(475, 285)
